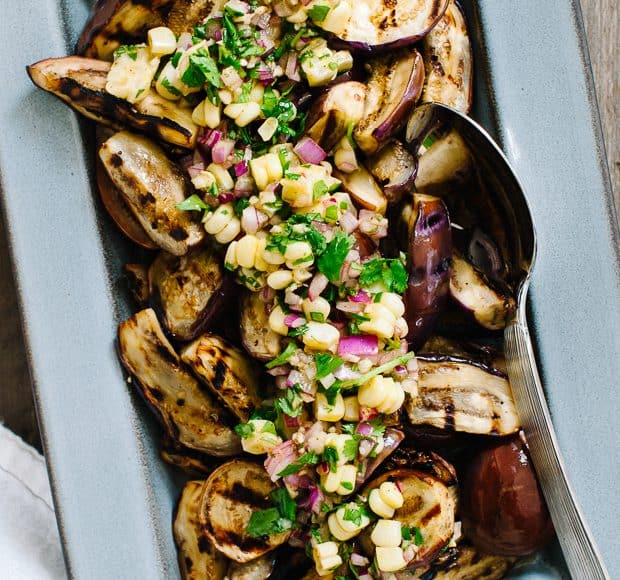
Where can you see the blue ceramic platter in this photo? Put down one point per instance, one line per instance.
(114, 497)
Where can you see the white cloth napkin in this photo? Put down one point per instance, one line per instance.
(29, 542)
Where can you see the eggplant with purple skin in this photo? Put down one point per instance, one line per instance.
(232, 493)
(257, 337)
(198, 558)
(459, 395)
(190, 416)
(449, 63)
(489, 301)
(392, 438)
(363, 189)
(370, 25)
(137, 276)
(334, 111)
(193, 462)
(394, 168)
(227, 372)
(429, 253)
(152, 186)
(394, 86)
(189, 291)
(80, 83)
(113, 23)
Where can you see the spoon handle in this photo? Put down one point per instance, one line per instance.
(580, 552)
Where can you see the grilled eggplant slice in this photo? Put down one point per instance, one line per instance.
(258, 569)
(429, 253)
(152, 186)
(457, 394)
(449, 63)
(193, 462)
(190, 291)
(184, 14)
(80, 82)
(190, 416)
(372, 25)
(333, 112)
(395, 84)
(116, 22)
(363, 188)
(258, 339)
(138, 280)
(392, 438)
(232, 493)
(394, 168)
(428, 505)
(227, 372)
(198, 559)
(490, 304)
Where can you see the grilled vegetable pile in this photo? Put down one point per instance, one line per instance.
(320, 299)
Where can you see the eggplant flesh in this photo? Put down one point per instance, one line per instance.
(429, 253)
(370, 25)
(258, 339)
(392, 438)
(80, 82)
(185, 14)
(153, 186)
(232, 493)
(258, 569)
(198, 559)
(190, 416)
(449, 64)
(459, 395)
(363, 188)
(427, 505)
(227, 372)
(138, 281)
(116, 22)
(395, 169)
(192, 462)
(190, 291)
(395, 84)
(490, 305)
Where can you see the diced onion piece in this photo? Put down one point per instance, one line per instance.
(309, 151)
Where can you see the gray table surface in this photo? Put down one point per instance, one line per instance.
(602, 20)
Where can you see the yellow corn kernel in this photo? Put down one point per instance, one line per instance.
(390, 559)
(263, 439)
(328, 566)
(230, 231)
(337, 17)
(298, 17)
(393, 401)
(249, 113)
(246, 251)
(326, 557)
(169, 84)
(401, 328)
(274, 167)
(344, 156)
(298, 193)
(325, 550)
(276, 321)
(347, 525)
(301, 275)
(387, 534)
(320, 336)
(259, 261)
(131, 74)
(280, 279)
(394, 303)
(391, 495)
(297, 251)
(373, 392)
(266, 169)
(217, 220)
(224, 181)
(335, 529)
(162, 41)
(257, 92)
(204, 180)
(206, 114)
(268, 128)
(317, 309)
(274, 258)
(348, 476)
(380, 507)
(381, 321)
(323, 411)
(331, 481)
(343, 60)
(225, 96)
(230, 259)
(351, 409)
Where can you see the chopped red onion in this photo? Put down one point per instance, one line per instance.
(194, 170)
(348, 222)
(279, 371)
(409, 553)
(244, 186)
(317, 285)
(351, 307)
(238, 6)
(222, 149)
(359, 560)
(241, 168)
(364, 429)
(294, 378)
(365, 447)
(253, 220)
(347, 167)
(294, 321)
(399, 485)
(280, 457)
(361, 296)
(261, 20)
(185, 41)
(315, 499)
(400, 370)
(289, 421)
(225, 197)
(368, 414)
(267, 294)
(345, 373)
(362, 345)
(210, 137)
(293, 300)
(309, 151)
(291, 67)
(213, 29)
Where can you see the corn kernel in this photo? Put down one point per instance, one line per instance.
(348, 477)
(266, 169)
(335, 529)
(321, 336)
(324, 411)
(348, 525)
(257, 92)
(249, 113)
(380, 507)
(373, 392)
(344, 156)
(381, 321)
(230, 231)
(337, 17)
(204, 180)
(298, 193)
(276, 321)
(393, 401)
(351, 409)
(224, 181)
(280, 279)
(394, 303)
(331, 481)
(268, 128)
(326, 557)
(301, 275)
(206, 114)
(259, 261)
(230, 259)
(319, 306)
(217, 220)
(131, 74)
(387, 534)
(297, 251)
(391, 495)
(328, 566)
(263, 439)
(274, 258)
(390, 559)
(325, 550)
(162, 41)
(225, 96)
(246, 251)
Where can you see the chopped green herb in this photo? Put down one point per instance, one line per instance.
(244, 430)
(285, 503)
(170, 87)
(412, 533)
(291, 404)
(347, 485)
(332, 393)
(350, 128)
(240, 205)
(350, 449)
(202, 69)
(306, 459)
(319, 189)
(330, 262)
(267, 522)
(192, 203)
(299, 331)
(246, 89)
(318, 12)
(355, 514)
(331, 213)
(317, 316)
(384, 368)
(391, 272)
(131, 50)
(330, 454)
(283, 357)
(326, 363)
(349, 428)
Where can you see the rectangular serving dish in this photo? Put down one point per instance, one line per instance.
(113, 495)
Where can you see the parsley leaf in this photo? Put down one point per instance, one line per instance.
(285, 503)
(350, 449)
(283, 357)
(330, 454)
(291, 404)
(192, 203)
(306, 459)
(354, 514)
(267, 522)
(130, 50)
(239, 206)
(318, 12)
(412, 533)
(202, 69)
(391, 272)
(330, 262)
(170, 87)
(244, 430)
(326, 363)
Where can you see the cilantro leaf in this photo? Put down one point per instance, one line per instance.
(283, 357)
(326, 363)
(318, 12)
(202, 69)
(330, 262)
(285, 503)
(330, 454)
(306, 459)
(291, 404)
(131, 50)
(267, 522)
(244, 430)
(192, 203)
(391, 272)
(350, 449)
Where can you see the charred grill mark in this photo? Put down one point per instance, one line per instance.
(430, 514)
(147, 198)
(449, 408)
(203, 544)
(221, 368)
(156, 394)
(180, 402)
(167, 355)
(243, 494)
(116, 160)
(188, 563)
(178, 234)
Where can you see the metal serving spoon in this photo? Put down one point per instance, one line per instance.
(505, 212)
